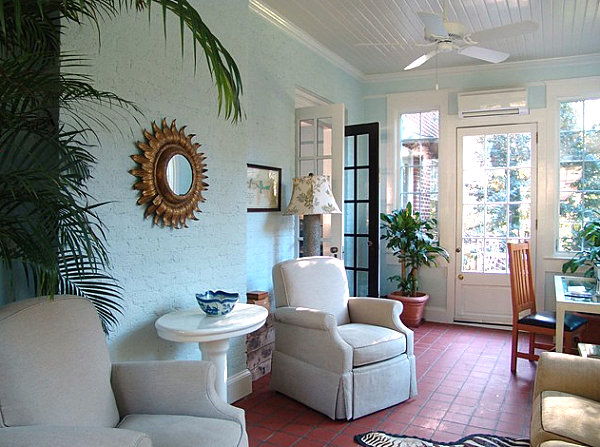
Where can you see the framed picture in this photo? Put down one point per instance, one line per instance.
(263, 188)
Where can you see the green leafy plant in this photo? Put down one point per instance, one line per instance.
(413, 241)
(590, 255)
(49, 108)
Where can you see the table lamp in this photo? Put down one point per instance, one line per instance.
(311, 197)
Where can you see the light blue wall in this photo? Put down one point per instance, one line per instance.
(160, 269)
(279, 64)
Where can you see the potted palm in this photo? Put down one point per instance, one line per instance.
(413, 241)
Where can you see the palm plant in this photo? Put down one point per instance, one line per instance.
(48, 220)
(412, 240)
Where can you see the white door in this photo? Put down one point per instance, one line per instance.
(320, 150)
(495, 205)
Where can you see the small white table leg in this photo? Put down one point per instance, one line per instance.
(560, 326)
(216, 352)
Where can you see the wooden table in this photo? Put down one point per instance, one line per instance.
(575, 294)
(212, 333)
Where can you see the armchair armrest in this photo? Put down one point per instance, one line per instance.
(56, 436)
(381, 312)
(171, 387)
(321, 344)
(568, 374)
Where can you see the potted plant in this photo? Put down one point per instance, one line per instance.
(590, 255)
(413, 241)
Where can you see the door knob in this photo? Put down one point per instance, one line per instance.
(461, 276)
(457, 250)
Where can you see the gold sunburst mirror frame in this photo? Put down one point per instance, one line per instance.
(171, 175)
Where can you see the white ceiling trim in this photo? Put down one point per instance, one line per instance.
(583, 59)
(298, 34)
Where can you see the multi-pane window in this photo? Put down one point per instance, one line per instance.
(418, 179)
(579, 178)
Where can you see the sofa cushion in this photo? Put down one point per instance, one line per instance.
(572, 417)
(371, 344)
(184, 431)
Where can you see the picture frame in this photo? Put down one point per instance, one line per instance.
(263, 188)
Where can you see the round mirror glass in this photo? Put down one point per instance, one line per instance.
(179, 174)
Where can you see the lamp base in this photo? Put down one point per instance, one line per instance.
(312, 235)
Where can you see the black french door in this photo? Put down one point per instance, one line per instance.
(361, 208)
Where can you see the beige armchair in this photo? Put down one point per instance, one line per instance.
(58, 387)
(345, 357)
(566, 401)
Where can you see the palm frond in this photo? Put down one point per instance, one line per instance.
(86, 280)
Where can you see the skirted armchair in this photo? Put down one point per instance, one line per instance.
(345, 357)
(58, 387)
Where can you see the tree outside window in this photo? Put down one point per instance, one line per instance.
(579, 178)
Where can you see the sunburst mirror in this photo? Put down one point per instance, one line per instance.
(171, 175)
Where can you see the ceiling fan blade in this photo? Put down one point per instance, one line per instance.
(421, 60)
(485, 54)
(502, 32)
(434, 24)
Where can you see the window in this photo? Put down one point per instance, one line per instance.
(579, 178)
(418, 146)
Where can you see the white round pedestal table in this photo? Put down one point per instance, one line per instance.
(212, 333)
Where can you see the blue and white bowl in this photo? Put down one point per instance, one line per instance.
(216, 303)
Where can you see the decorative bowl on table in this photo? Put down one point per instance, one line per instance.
(216, 303)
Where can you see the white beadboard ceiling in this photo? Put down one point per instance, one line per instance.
(346, 29)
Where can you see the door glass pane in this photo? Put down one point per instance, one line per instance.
(324, 167)
(362, 284)
(307, 138)
(306, 167)
(349, 151)
(362, 221)
(324, 137)
(348, 218)
(349, 184)
(363, 150)
(496, 194)
(362, 252)
(349, 251)
(362, 184)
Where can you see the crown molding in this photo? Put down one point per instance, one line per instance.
(292, 30)
(579, 60)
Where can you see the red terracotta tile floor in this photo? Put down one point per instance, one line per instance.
(464, 387)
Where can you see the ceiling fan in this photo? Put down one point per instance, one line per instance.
(448, 36)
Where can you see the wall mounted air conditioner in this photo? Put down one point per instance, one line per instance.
(493, 103)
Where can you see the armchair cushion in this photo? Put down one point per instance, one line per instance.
(54, 365)
(570, 417)
(305, 281)
(372, 344)
(185, 431)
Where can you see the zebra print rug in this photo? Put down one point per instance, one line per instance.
(382, 439)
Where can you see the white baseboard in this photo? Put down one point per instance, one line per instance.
(239, 385)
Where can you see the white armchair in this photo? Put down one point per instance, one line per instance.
(58, 387)
(345, 357)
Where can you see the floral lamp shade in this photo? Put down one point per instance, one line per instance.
(312, 195)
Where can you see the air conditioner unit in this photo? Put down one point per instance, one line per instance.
(493, 103)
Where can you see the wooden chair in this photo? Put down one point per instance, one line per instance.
(525, 316)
